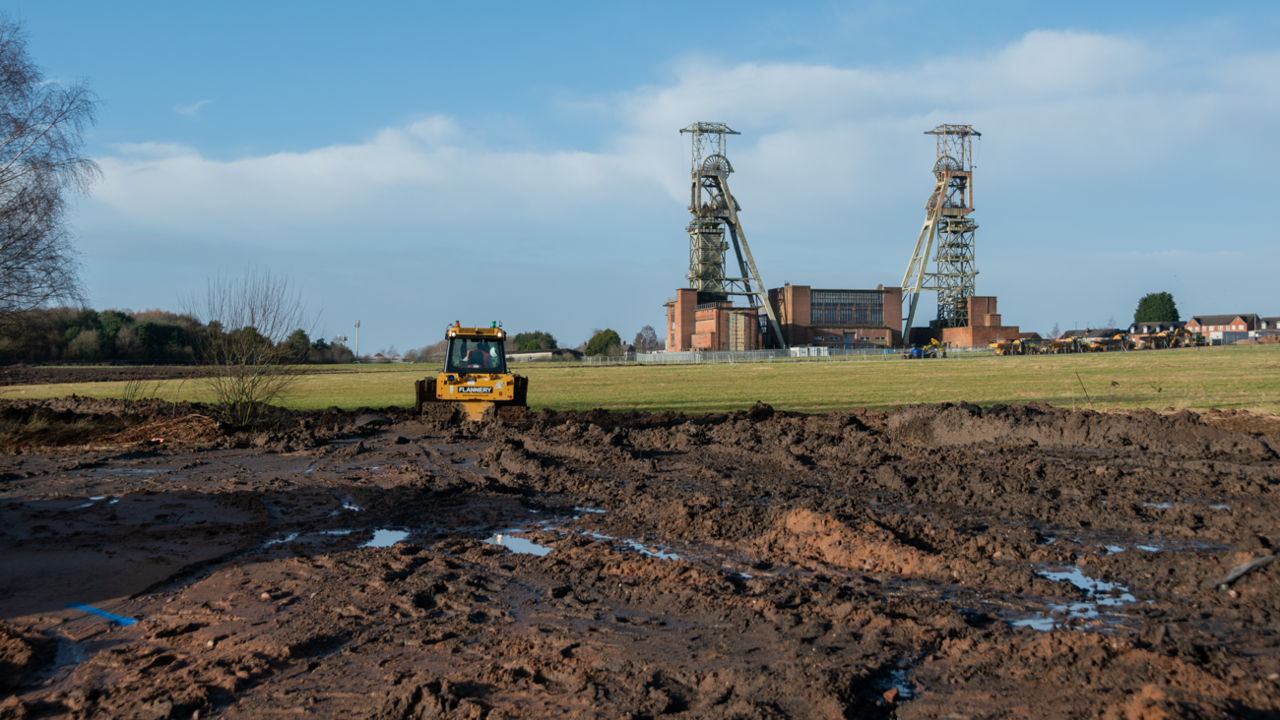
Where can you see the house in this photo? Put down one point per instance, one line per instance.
(1144, 329)
(1145, 333)
(1212, 327)
(1269, 323)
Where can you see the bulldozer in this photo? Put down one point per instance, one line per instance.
(1023, 346)
(931, 349)
(474, 378)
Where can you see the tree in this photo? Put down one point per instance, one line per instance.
(434, 352)
(534, 341)
(248, 318)
(41, 128)
(647, 340)
(297, 347)
(1055, 332)
(602, 341)
(1156, 307)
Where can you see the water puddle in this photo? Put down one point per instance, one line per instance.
(1114, 549)
(594, 511)
(1036, 621)
(276, 541)
(68, 655)
(1170, 505)
(1091, 586)
(91, 502)
(897, 680)
(386, 538)
(1148, 548)
(518, 545)
(1101, 595)
(349, 504)
(638, 547)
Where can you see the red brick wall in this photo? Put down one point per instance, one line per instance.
(979, 307)
(980, 336)
(795, 328)
(684, 311)
(893, 314)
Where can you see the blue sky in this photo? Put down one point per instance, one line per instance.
(409, 164)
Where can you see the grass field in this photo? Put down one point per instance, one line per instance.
(1230, 377)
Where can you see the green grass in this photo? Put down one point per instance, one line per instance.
(1231, 377)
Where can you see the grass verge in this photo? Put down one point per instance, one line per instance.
(1226, 378)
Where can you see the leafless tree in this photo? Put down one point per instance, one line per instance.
(647, 340)
(41, 135)
(248, 319)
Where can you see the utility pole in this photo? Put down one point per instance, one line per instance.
(357, 341)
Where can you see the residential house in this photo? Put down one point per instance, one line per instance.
(1213, 327)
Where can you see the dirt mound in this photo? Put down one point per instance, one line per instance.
(44, 375)
(22, 655)
(932, 562)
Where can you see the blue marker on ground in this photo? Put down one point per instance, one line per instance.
(117, 619)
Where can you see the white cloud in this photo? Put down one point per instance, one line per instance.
(192, 109)
(1092, 145)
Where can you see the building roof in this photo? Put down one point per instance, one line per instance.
(1107, 333)
(1157, 326)
(1223, 319)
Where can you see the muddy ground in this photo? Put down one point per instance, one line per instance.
(935, 562)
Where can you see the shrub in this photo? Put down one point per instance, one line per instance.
(601, 342)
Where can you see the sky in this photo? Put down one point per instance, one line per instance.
(413, 164)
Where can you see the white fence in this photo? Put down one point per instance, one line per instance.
(798, 354)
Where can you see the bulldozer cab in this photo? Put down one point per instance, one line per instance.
(475, 355)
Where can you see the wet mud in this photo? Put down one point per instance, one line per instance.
(933, 562)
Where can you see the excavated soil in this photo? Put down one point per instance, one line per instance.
(934, 562)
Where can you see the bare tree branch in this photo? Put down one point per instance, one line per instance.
(41, 136)
(248, 320)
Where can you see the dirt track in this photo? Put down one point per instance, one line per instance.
(935, 562)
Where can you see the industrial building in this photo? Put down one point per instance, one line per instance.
(808, 316)
(838, 318)
(712, 327)
(702, 317)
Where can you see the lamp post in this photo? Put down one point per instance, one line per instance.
(357, 341)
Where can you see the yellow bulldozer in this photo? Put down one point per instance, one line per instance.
(1022, 346)
(474, 378)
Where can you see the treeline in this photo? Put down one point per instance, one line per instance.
(70, 335)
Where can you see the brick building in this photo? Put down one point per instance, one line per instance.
(1212, 327)
(838, 318)
(985, 326)
(715, 326)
